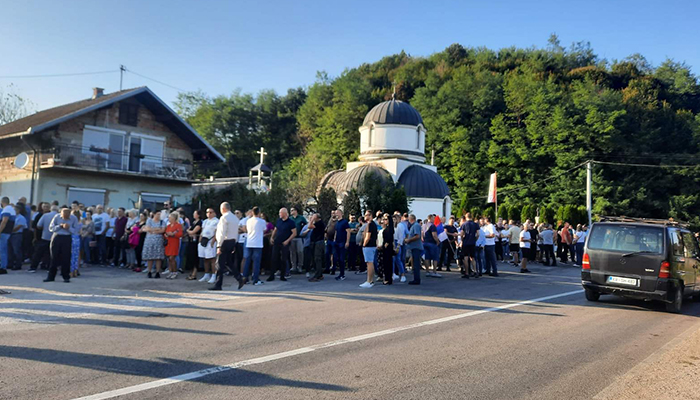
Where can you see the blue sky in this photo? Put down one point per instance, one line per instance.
(218, 46)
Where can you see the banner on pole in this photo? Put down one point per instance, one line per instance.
(492, 198)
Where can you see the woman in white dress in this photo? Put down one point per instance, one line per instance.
(206, 249)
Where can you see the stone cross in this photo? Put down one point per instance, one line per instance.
(262, 153)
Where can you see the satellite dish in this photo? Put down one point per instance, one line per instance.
(22, 160)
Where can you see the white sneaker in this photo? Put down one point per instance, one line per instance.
(165, 273)
(308, 275)
(403, 279)
(213, 279)
(395, 277)
(205, 278)
(367, 285)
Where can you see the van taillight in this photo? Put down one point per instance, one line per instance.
(665, 270)
(586, 264)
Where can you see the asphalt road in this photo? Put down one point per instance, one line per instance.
(449, 338)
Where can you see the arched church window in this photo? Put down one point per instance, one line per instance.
(418, 138)
(371, 133)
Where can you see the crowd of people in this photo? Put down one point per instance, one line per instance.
(168, 242)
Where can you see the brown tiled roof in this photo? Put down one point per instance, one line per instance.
(51, 114)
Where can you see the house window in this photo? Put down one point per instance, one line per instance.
(105, 148)
(145, 153)
(89, 197)
(128, 114)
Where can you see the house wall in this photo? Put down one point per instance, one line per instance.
(72, 131)
(120, 190)
(15, 182)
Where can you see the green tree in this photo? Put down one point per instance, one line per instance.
(352, 204)
(327, 201)
(503, 211)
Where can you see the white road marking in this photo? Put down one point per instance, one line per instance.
(273, 357)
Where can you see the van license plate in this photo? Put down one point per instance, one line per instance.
(623, 281)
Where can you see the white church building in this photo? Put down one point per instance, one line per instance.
(392, 146)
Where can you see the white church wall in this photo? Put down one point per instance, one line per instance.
(399, 138)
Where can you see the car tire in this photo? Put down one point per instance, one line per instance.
(677, 303)
(592, 295)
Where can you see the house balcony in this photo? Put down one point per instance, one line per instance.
(107, 161)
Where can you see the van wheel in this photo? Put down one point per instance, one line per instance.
(592, 295)
(675, 306)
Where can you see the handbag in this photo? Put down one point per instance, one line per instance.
(204, 241)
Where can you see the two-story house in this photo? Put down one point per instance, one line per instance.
(122, 149)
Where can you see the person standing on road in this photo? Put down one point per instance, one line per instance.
(415, 245)
(255, 229)
(101, 220)
(7, 224)
(547, 236)
(579, 242)
(388, 249)
(42, 252)
(431, 245)
(490, 247)
(400, 234)
(173, 233)
(75, 246)
(525, 244)
(470, 234)
(318, 232)
(283, 234)
(514, 235)
(206, 249)
(153, 246)
(342, 244)
(369, 248)
(297, 246)
(63, 226)
(15, 246)
(330, 243)
(352, 249)
(566, 241)
(226, 238)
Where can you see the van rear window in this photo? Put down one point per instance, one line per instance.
(627, 238)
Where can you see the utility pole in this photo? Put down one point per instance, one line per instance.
(589, 197)
(122, 69)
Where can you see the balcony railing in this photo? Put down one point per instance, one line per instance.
(100, 159)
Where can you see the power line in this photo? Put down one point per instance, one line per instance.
(58, 75)
(155, 80)
(645, 165)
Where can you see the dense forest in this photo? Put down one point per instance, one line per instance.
(533, 115)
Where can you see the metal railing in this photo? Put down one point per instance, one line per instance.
(101, 159)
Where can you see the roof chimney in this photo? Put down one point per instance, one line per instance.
(97, 92)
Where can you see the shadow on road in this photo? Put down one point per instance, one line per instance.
(110, 324)
(159, 368)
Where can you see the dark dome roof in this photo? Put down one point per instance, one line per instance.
(418, 181)
(344, 182)
(393, 112)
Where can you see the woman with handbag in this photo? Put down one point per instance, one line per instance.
(207, 246)
(388, 250)
(194, 234)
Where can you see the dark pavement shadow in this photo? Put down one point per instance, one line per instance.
(159, 369)
(111, 324)
(690, 308)
(76, 309)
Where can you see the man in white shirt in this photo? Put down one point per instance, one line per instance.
(101, 221)
(490, 247)
(525, 243)
(226, 238)
(547, 236)
(255, 228)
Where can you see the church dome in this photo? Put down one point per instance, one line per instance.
(343, 182)
(393, 112)
(422, 182)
